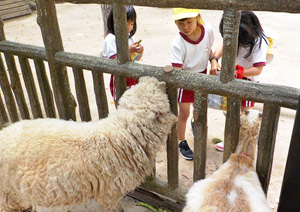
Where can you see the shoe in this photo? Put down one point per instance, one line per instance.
(220, 146)
(192, 125)
(185, 150)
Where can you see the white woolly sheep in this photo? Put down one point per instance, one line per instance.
(51, 162)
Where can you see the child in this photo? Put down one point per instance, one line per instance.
(110, 47)
(251, 55)
(190, 51)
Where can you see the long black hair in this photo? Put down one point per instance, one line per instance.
(131, 15)
(250, 31)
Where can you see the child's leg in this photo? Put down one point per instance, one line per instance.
(183, 115)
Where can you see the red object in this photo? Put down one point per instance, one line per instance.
(239, 72)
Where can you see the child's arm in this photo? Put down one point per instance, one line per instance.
(215, 67)
(253, 71)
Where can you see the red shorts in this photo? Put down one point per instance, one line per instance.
(247, 103)
(129, 83)
(187, 96)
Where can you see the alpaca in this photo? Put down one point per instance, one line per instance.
(55, 163)
(235, 186)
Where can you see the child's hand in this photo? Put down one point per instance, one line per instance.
(239, 73)
(135, 47)
(215, 67)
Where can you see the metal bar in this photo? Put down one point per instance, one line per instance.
(200, 135)
(47, 20)
(290, 190)
(172, 143)
(231, 22)
(232, 127)
(259, 92)
(292, 6)
(266, 143)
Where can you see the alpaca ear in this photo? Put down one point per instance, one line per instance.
(260, 115)
(246, 112)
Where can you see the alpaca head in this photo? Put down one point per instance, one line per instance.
(250, 122)
(249, 129)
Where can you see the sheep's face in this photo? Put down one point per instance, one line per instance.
(148, 95)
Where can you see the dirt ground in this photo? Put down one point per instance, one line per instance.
(82, 32)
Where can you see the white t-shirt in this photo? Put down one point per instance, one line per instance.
(192, 55)
(110, 46)
(258, 57)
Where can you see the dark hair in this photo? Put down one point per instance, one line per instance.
(250, 31)
(131, 15)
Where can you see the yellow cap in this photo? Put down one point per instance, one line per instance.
(181, 13)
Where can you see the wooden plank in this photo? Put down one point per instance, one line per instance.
(30, 87)
(14, 5)
(100, 94)
(7, 2)
(15, 10)
(266, 143)
(81, 92)
(172, 143)
(200, 135)
(16, 14)
(290, 191)
(47, 94)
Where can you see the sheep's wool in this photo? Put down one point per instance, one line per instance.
(51, 162)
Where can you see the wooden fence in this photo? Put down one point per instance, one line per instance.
(56, 94)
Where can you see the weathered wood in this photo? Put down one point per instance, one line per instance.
(81, 92)
(3, 114)
(31, 89)
(291, 6)
(258, 92)
(47, 20)
(155, 200)
(232, 127)
(290, 191)
(266, 143)
(100, 94)
(161, 187)
(14, 8)
(16, 86)
(8, 95)
(121, 32)
(172, 143)
(25, 50)
(200, 135)
(45, 88)
(231, 22)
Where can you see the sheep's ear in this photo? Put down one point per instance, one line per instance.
(162, 85)
(157, 114)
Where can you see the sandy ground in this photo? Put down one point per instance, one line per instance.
(82, 32)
